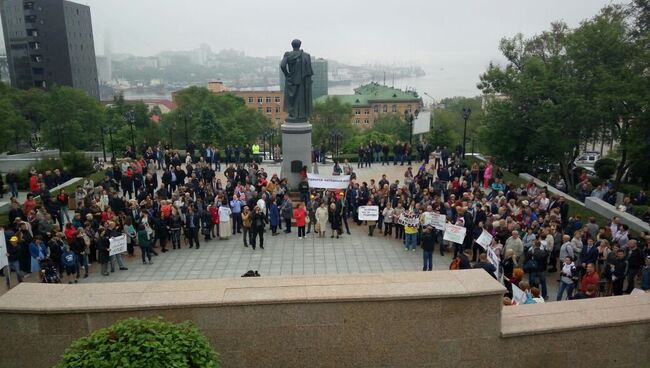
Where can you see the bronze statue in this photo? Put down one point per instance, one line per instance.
(296, 67)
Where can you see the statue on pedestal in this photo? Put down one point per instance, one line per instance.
(296, 67)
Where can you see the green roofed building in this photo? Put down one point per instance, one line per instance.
(370, 101)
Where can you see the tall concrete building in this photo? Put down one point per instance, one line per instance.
(319, 85)
(50, 43)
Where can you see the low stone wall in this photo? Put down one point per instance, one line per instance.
(551, 189)
(422, 319)
(607, 210)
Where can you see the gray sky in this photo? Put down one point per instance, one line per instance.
(453, 40)
(355, 31)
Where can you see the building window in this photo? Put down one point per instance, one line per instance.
(358, 121)
(28, 5)
(268, 100)
(259, 109)
(32, 32)
(385, 108)
(394, 108)
(376, 108)
(357, 112)
(277, 109)
(250, 99)
(277, 99)
(30, 18)
(260, 100)
(268, 110)
(367, 112)
(366, 121)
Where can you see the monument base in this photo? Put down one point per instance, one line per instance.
(296, 151)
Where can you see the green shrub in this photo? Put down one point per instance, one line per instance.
(142, 343)
(605, 168)
(77, 164)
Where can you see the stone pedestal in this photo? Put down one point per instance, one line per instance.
(296, 146)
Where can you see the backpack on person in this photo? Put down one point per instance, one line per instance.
(530, 266)
(455, 264)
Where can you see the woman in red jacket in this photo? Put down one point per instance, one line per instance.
(214, 217)
(300, 214)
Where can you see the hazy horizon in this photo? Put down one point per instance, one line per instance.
(462, 36)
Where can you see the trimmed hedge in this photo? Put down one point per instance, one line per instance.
(76, 164)
(139, 343)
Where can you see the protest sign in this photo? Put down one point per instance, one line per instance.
(439, 221)
(3, 250)
(518, 295)
(455, 234)
(328, 182)
(368, 213)
(494, 259)
(409, 219)
(118, 245)
(484, 240)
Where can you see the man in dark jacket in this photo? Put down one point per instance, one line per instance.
(192, 223)
(428, 245)
(464, 260)
(635, 261)
(486, 265)
(540, 256)
(618, 267)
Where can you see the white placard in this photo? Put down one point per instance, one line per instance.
(328, 182)
(408, 219)
(518, 295)
(494, 259)
(118, 245)
(439, 221)
(368, 213)
(484, 240)
(454, 233)
(4, 261)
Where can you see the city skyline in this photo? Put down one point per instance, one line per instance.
(453, 42)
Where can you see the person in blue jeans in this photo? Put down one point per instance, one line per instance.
(411, 237)
(567, 274)
(236, 207)
(428, 245)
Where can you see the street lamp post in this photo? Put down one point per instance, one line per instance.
(110, 137)
(101, 128)
(129, 116)
(186, 116)
(335, 136)
(171, 136)
(466, 114)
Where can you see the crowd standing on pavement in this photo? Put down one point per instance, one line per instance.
(161, 202)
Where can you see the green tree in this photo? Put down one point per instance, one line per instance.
(72, 119)
(15, 128)
(329, 116)
(392, 125)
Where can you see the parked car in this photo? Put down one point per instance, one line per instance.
(587, 160)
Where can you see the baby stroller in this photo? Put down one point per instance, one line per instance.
(49, 273)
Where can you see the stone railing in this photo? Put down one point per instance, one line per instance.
(607, 210)
(423, 319)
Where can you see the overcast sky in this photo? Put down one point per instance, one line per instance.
(459, 36)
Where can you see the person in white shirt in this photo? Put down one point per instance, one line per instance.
(224, 221)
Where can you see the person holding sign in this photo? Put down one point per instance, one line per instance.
(411, 235)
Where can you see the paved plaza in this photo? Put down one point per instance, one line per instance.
(284, 254)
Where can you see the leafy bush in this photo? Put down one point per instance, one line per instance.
(605, 168)
(142, 343)
(77, 164)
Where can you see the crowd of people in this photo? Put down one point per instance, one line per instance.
(166, 204)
